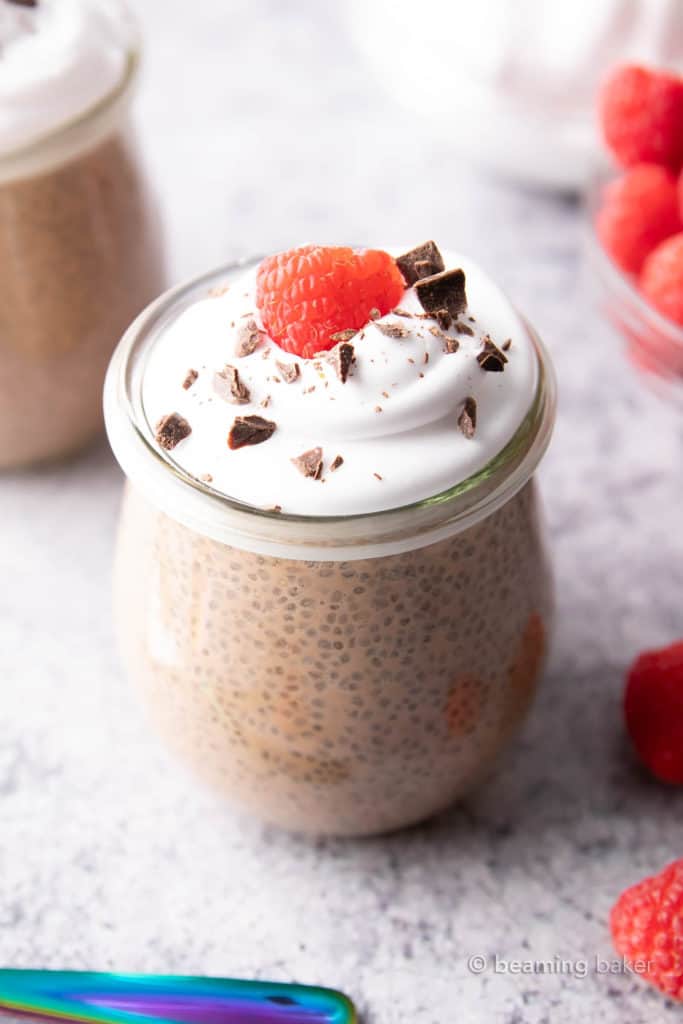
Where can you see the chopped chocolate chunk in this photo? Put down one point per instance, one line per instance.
(451, 345)
(248, 430)
(462, 328)
(392, 330)
(491, 358)
(343, 357)
(402, 312)
(423, 261)
(310, 463)
(274, 508)
(467, 420)
(443, 319)
(190, 378)
(442, 291)
(337, 461)
(265, 402)
(374, 313)
(378, 408)
(228, 385)
(248, 337)
(290, 371)
(171, 430)
(425, 358)
(385, 394)
(343, 335)
(506, 345)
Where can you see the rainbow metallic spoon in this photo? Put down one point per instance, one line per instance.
(137, 998)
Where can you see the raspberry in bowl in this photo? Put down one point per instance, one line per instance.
(635, 216)
(332, 588)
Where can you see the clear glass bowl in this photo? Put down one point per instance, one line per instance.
(653, 343)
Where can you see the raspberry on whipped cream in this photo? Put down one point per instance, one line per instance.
(425, 364)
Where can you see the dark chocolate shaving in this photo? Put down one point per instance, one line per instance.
(506, 345)
(423, 261)
(290, 372)
(337, 461)
(443, 291)
(467, 420)
(171, 430)
(228, 385)
(491, 358)
(248, 337)
(343, 356)
(451, 345)
(190, 378)
(443, 319)
(343, 335)
(310, 463)
(462, 328)
(402, 312)
(249, 430)
(392, 330)
(24, 3)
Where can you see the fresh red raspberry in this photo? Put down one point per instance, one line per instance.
(641, 113)
(680, 195)
(639, 210)
(661, 279)
(308, 294)
(647, 929)
(653, 707)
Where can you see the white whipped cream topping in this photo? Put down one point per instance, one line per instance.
(57, 61)
(412, 449)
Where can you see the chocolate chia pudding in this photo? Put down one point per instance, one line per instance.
(342, 656)
(79, 236)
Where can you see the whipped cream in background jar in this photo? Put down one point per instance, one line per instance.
(80, 244)
(341, 624)
(512, 83)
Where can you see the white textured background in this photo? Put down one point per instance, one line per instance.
(262, 128)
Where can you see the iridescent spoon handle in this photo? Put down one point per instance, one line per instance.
(138, 999)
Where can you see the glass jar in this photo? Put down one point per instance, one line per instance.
(340, 674)
(80, 250)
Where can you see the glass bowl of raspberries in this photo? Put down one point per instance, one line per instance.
(635, 210)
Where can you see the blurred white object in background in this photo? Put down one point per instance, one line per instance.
(512, 82)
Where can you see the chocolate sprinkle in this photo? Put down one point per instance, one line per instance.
(343, 357)
(423, 261)
(171, 430)
(467, 420)
(392, 330)
(506, 345)
(310, 463)
(337, 461)
(491, 358)
(443, 291)
(290, 372)
(190, 378)
(377, 475)
(249, 430)
(248, 337)
(228, 385)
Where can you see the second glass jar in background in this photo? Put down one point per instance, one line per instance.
(80, 250)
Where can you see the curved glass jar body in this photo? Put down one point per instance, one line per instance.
(80, 249)
(343, 675)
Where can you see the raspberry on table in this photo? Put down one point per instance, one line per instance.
(661, 279)
(639, 210)
(647, 929)
(308, 295)
(653, 708)
(641, 114)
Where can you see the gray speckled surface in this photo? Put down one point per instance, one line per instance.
(260, 134)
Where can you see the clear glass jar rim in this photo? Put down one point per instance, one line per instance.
(196, 505)
(68, 137)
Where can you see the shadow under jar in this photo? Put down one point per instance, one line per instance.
(80, 251)
(342, 675)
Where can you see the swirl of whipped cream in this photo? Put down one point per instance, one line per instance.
(58, 59)
(394, 422)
